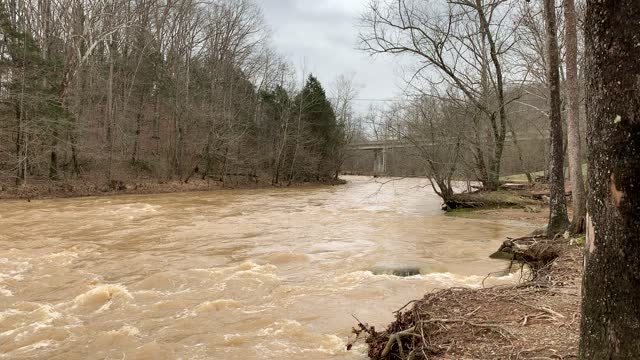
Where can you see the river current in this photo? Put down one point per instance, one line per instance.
(237, 274)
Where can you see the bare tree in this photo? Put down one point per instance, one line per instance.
(573, 117)
(558, 220)
(461, 44)
(433, 126)
(110, 90)
(344, 93)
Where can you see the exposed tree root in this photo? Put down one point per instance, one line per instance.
(535, 251)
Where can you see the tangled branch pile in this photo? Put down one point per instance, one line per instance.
(537, 318)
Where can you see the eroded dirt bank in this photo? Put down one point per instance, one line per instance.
(83, 188)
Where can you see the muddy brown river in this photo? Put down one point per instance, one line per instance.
(238, 274)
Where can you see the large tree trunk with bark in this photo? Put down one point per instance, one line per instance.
(573, 118)
(611, 288)
(558, 219)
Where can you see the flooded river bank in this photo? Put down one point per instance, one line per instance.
(242, 274)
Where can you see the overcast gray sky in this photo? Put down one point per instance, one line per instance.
(322, 35)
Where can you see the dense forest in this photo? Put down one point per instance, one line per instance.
(108, 91)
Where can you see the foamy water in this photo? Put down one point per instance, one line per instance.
(254, 274)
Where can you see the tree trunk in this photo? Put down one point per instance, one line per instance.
(110, 115)
(295, 150)
(523, 168)
(499, 128)
(136, 140)
(279, 159)
(53, 157)
(156, 123)
(21, 154)
(558, 219)
(478, 154)
(74, 153)
(611, 287)
(20, 175)
(573, 118)
(493, 180)
(73, 128)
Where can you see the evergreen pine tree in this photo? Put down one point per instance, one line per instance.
(324, 129)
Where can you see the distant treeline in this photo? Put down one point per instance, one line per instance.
(152, 89)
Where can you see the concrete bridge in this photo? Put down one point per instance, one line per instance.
(379, 149)
(378, 145)
(382, 149)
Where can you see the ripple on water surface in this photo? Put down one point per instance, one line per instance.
(258, 274)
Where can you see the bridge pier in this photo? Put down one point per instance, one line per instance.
(380, 161)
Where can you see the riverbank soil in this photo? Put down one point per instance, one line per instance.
(537, 318)
(45, 189)
(524, 195)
